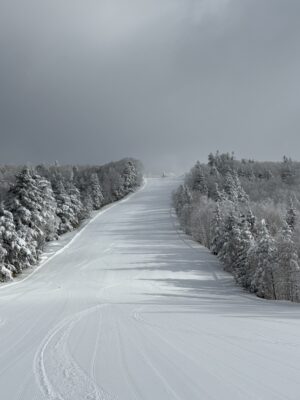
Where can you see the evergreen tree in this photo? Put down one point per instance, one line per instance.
(240, 193)
(264, 282)
(75, 199)
(87, 205)
(250, 218)
(33, 206)
(217, 233)
(217, 193)
(182, 197)
(48, 221)
(287, 171)
(211, 160)
(117, 185)
(23, 199)
(220, 195)
(65, 209)
(17, 254)
(5, 273)
(198, 179)
(233, 188)
(130, 177)
(230, 187)
(244, 244)
(214, 171)
(228, 253)
(95, 192)
(287, 266)
(291, 215)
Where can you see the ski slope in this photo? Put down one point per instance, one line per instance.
(132, 309)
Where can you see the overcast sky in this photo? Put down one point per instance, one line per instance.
(165, 81)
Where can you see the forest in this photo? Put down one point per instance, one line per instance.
(40, 203)
(247, 213)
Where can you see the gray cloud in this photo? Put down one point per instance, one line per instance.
(166, 82)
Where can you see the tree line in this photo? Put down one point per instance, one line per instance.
(247, 213)
(40, 203)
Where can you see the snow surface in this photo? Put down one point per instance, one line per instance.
(133, 309)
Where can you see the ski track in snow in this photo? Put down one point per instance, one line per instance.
(132, 309)
(66, 380)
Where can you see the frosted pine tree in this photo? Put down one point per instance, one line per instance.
(76, 203)
(234, 189)
(182, 197)
(130, 177)
(199, 181)
(48, 221)
(291, 214)
(211, 160)
(217, 231)
(230, 187)
(117, 184)
(185, 211)
(95, 192)
(25, 201)
(288, 270)
(18, 255)
(87, 205)
(264, 281)
(5, 273)
(65, 210)
(242, 196)
(32, 203)
(245, 243)
(23, 197)
(250, 218)
(220, 195)
(231, 238)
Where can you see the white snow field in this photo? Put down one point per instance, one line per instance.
(133, 309)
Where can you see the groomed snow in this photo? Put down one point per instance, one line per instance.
(133, 309)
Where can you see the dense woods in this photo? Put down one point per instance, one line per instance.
(40, 203)
(247, 213)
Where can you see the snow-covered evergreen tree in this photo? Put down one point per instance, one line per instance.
(75, 199)
(288, 270)
(65, 209)
(230, 187)
(5, 273)
(211, 160)
(198, 180)
(32, 204)
(228, 253)
(234, 189)
(117, 184)
(87, 205)
(130, 177)
(23, 199)
(217, 231)
(17, 253)
(219, 195)
(48, 221)
(264, 280)
(244, 244)
(250, 218)
(181, 198)
(242, 196)
(287, 171)
(291, 214)
(95, 192)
